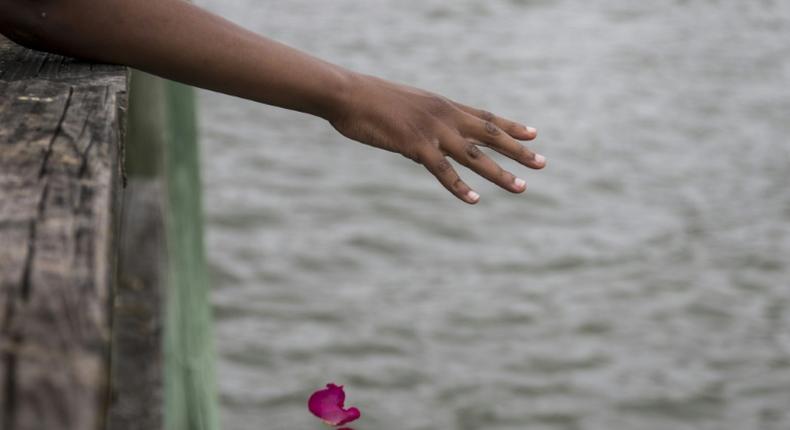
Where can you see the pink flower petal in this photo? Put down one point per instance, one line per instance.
(327, 404)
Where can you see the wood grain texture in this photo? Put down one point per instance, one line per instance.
(60, 144)
(137, 379)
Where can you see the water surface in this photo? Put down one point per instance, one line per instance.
(643, 281)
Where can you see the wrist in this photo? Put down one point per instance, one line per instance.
(342, 95)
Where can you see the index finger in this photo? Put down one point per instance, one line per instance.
(514, 129)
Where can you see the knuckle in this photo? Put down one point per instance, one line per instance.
(472, 151)
(439, 106)
(459, 186)
(514, 127)
(502, 175)
(491, 129)
(529, 155)
(524, 153)
(412, 155)
(487, 116)
(443, 166)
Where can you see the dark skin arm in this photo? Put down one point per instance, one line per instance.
(179, 41)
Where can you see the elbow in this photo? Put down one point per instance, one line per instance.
(31, 23)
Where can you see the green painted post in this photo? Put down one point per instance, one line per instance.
(190, 392)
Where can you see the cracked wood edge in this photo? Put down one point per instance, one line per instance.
(60, 141)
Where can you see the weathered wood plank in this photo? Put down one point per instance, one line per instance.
(60, 140)
(18, 64)
(137, 374)
(137, 394)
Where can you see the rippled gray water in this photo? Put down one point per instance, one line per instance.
(643, 282)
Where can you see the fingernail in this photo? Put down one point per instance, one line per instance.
(520, 183)
(531, 130)
(540, 159)
(473, 196)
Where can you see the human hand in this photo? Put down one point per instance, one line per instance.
(428, 128)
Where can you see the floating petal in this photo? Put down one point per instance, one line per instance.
(327, 404)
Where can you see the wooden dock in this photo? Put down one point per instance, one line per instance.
(88, 256)
(60, 147)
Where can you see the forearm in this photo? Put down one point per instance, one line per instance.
(176, 40)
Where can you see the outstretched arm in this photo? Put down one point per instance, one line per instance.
(179, 41)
